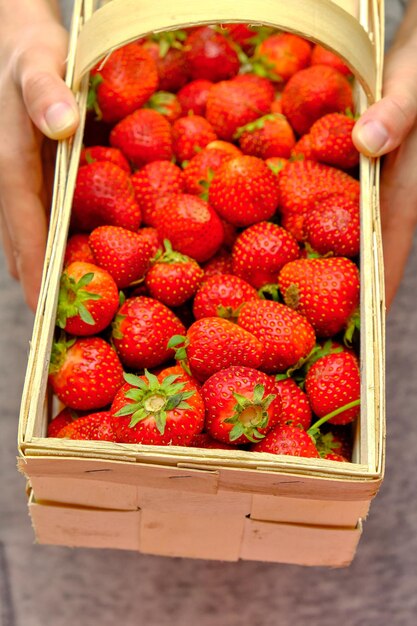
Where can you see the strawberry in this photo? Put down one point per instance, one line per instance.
(123, 82)
(165, 103)
(190, 224)
(77, 249)
(104, 195)
(281, 55)
(141, 331)
(143, 137)
(156, 180)
(210, 55)
(222, 295)
(93, 427)
(166, 49)
(296, 408)
(333, 226)
(88, 299)
(313, 92)
(199, 171)
(213, 343)
(166, 409)
(331, 139)
(220, 263)
(234, 103)
(261, 251)
(189, 134)
(324, 290)
(244, 191)
(65, 416)
(287, 439)
(224, 146)
(203, 440)
(286, 335)
(124, 254)
(267, 136)
(193, 97)
(104, 153)
(150, 235)
(333, 456)
(276, 106)
(337, 439)
(332, 382)
(85, 373)
(303, 183)
(242, 405)
(321, 56)
(173, 278)
(276, 164)
(303, 149)
(242, 34)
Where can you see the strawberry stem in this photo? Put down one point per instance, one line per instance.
(315, 428)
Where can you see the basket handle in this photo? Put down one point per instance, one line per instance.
(122, 21)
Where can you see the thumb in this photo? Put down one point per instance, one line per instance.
(385, 125)
(49, 102)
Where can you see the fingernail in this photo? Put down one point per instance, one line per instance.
(373, 136)
(59, 118)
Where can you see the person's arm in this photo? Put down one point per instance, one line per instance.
(390, 126)
(34, 102)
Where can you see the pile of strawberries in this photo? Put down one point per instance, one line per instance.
(210, 288)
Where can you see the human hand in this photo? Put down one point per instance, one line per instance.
(35, 103)
(390, 127)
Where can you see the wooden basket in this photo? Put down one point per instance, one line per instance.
(190, 502)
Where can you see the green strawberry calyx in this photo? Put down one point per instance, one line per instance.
(160, 102)
(168, 255)
(150, 398)
(257, 124)
(326, 444)
(179, 343)
(353, 325)
(250, 414)
(92, 101)
(72, 298)
(169, 39)
(59, 352)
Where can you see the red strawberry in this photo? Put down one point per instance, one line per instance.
(88, 299)
(166, 49)
(324, 290)
(124, 254)
(261, 251)
(173, 278)
(199, 172)
(234, 103)
(104, 195)
(123, 82)
(203, 440)
(268, 136)
(165, 103)
(166, 409)
(313, 92)
(332, 382)
(242, 34)
(334, 226)
(93, 427)
(85, 373)
(242, 404)
(104, 153)
(77, 249)
(244, 191)
(337, 439)
(224, 146)
(321, 56)
(221, 263)
(296, 408)
(141, 331)
(276, 106)
(150, 235)
(287, 336)
(276, 164)
(213, 343)
(156, 180)
(189, 134)
(222, 295)
(193, 97)
(143, 136)
(281, 55)
(332, 456)
(303, 183)
(210, 55)
(303, 149)
(286, 439)
(331, 140)
(65, 416)
(190, 224)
